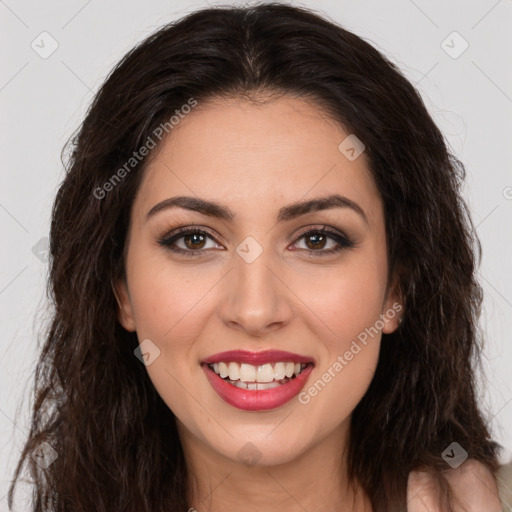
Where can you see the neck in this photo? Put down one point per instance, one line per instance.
(314, 480)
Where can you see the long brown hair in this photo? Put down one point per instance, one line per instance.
(115, 439)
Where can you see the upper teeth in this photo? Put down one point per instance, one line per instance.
(263, 373)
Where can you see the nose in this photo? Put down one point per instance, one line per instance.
(256, 300)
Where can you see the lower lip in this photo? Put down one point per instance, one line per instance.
(257, 400)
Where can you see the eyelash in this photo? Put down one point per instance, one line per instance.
(169, 240)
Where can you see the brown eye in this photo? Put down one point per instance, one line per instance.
(317, 240)
(194, 240)
(191, 242)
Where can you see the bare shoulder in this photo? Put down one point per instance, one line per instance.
(504, 478)
(473, 489)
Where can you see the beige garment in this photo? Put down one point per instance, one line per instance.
(505, 486)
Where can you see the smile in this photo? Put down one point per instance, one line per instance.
(257, 378)
(273, 382)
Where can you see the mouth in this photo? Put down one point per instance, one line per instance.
(258, 378)
(257, 381)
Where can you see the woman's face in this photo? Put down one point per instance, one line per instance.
(256, 281)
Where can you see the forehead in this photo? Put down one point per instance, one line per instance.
(255, 155)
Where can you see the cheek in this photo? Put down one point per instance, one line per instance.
(170, 306)
(168, 300)
(350, 345)
(338, 387)
(347, 306)
(343, 302)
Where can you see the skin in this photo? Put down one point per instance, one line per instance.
(255, 159)
(473, 487)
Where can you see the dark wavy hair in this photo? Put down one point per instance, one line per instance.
(116, 440)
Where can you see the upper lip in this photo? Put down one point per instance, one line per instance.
(257, 358)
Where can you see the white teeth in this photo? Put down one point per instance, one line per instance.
(247, 372)
(263, 374)
(279, 371)
(234, 371)
(223, 370)
(289, 368)
(256, 386)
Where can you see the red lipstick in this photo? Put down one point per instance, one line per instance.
(257, 400)
(257, 358)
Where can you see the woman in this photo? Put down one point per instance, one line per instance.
(264, 285)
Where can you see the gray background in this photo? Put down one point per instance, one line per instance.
(42, 100)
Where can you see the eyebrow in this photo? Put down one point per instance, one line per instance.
(286, 213)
